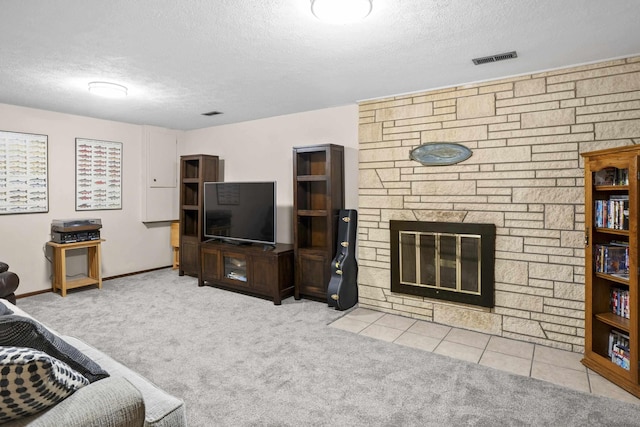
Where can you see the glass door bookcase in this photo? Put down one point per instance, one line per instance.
(611, 265)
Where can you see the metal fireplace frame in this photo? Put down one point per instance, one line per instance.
(487, 233)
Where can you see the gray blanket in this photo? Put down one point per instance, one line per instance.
(19, 331)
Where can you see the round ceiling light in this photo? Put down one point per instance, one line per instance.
(108, 90)
(341, 11)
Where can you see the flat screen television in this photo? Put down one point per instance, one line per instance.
(240, 212)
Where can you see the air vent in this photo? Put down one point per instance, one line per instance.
(495, 58)
(212, 113)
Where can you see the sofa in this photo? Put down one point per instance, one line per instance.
(9, 282)
(107, 394)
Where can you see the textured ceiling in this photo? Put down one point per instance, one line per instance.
(254, 59)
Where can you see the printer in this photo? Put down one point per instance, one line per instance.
(75, 230)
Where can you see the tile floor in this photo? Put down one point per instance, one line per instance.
(521, 358)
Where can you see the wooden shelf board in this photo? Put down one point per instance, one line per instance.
(614, 320)
(595, 360)
(612, 187)
(311, 177)
(73, 245)
(312, 212)
(617, 279)
(612, 231)
(83, 281)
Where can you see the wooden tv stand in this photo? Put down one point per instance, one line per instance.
(249, 269)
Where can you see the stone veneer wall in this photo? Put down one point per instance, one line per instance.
(525, 176)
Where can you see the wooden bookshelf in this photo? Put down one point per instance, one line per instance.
(318, 182)
(195, 170)
(602, 325)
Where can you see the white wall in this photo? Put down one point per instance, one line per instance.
(130, 245)
(262, 150)
(256, 150)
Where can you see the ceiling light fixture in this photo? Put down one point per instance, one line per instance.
(108, 90)
(341, 11)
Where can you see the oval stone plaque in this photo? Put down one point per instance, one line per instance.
(440, 153)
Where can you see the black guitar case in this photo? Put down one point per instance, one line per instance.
(342, 292)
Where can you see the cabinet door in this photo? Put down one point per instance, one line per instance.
(234, 269)
(190, 257)
(264, 275)
(210, 259)
(312, 270)
(159, 166)
(162, 157)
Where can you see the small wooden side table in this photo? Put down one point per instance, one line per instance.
(175, 243)
(94, 274)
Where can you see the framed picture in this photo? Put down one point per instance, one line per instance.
(24, 182)
(98, 175)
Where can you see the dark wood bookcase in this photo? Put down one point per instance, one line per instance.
(195, 170)
(318, 185)
(612, 343)
(248, 269)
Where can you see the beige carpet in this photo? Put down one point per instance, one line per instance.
(237, 360)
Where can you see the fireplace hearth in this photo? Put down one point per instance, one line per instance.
(443, 260)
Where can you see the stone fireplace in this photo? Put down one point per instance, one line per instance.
(443, 260)
(524, 176)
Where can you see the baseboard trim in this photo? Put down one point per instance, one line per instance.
(44, 291)
(30, 294)
(135, 272)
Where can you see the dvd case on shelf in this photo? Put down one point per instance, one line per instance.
(619, 349)
(612, 259)
(619, 302)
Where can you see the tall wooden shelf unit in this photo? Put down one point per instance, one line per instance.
(195, 170)
(318, 182)
(602, 325)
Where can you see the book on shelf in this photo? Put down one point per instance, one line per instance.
(618, 349)
(612, 213)
(611, 176)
